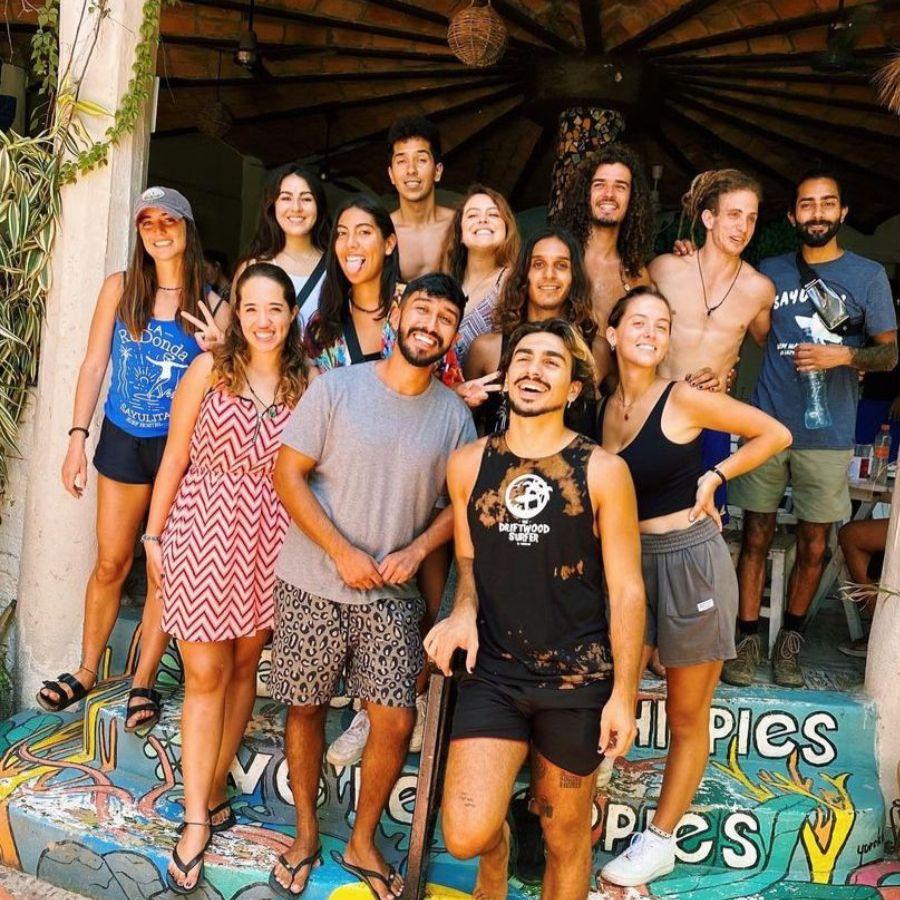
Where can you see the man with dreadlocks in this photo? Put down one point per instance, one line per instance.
(607, 208)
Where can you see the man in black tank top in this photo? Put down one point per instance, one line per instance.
(538, 510)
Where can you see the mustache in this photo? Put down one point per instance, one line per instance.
(414, 331)
(539, 381)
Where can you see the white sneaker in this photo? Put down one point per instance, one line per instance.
(347, 748)
(415, 742)
(648, 856)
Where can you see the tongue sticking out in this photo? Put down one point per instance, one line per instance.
(354, 264)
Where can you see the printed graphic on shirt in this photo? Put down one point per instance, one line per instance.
(148, 373)
(811, 327)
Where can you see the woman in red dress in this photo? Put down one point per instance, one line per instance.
(213, 534)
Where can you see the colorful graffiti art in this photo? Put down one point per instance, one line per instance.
(790, 806)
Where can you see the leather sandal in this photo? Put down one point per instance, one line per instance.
(187, 867)
(63, 699)
(228, 822)
(152, 705)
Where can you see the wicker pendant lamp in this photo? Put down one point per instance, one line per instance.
(216, 120)
(477, 35)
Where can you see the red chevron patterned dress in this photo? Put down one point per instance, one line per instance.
(226, 526)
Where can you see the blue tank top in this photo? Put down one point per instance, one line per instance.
(145, 373)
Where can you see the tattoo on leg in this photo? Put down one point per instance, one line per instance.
(569, 781)
(467, 800)
(540, 807)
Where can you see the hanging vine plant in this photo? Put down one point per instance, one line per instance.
(33, 169)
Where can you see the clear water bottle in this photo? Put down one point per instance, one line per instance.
(882, 454)
(817, 414)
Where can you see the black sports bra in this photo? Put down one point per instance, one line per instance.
(664, 473)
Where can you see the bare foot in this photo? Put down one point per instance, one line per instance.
(493, 871)
(193, 840)
(300, 849)
(370, 858)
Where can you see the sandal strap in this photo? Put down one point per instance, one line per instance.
(183, 825)
(78, 689)
(186, 867)
(225, 804)
(145, 693)
(362, 873)
(141, 707)
(307, 861)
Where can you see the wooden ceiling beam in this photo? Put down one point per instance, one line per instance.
(411, 9)
(535, 158)
(810, 151)
(304, 18)
(858, 131)
(322, 78)
(766, 59)
(288, 51)
(331, 106)
(687, 10)
(531, 26)
(769, 75)
(590, 25)
(765, 29)
(670, 148)
(494, 122)
(756, 90)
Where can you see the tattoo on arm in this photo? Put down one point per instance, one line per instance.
(875, 357)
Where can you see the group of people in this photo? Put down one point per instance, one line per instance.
(306, 453)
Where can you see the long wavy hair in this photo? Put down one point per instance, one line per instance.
(325, 326)
(135, 307)
(455, 255)
(269, 239)
(512, 306)
(231, 358)
(637, 231)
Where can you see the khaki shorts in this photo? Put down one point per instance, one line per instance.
(818, 479)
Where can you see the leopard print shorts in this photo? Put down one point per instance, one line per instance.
(375, 647)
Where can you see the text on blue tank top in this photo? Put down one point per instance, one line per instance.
(145, 373)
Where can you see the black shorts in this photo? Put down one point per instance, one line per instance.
(123, 457)
(567, 736)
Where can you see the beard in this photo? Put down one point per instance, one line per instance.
(605, 221)
(414, 357)
(817, 240)
(526, 413)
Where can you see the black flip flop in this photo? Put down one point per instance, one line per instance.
(154, 701)
(366, 875)
(228, 822)
(64, 701)
(278, 888)
(187, 867)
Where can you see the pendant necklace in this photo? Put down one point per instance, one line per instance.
(711, 309)
(627, 407)
(270, 409)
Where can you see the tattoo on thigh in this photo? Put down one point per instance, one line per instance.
(540, 807)
(569, 781)
(467, 800)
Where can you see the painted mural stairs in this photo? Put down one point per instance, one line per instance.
(790, 806)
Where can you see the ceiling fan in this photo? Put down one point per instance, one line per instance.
(247, 54)
(839, 54)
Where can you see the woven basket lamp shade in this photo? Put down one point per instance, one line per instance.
(477, 36)
(215, 120)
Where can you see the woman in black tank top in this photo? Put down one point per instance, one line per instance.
(549, 281)
(655, 426)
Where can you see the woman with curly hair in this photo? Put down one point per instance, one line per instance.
(482, 244)
(293, 233)
(213, 534)
(547, 282)
(607, 208)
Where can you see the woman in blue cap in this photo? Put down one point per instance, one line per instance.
(150, 321)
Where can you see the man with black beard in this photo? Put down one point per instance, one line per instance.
(801, 342)
(362, 475)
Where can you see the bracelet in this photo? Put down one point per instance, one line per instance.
(718, 472)
(84, 431)
(149, 538)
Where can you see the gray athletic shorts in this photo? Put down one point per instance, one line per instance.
(692, 595)
(376, 648)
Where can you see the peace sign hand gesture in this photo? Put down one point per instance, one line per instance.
(476, 391)
(209, 335)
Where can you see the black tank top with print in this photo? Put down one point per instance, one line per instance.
(542, 618)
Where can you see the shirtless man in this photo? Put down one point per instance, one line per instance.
(607, 208)
(716, 297)
(415, 168)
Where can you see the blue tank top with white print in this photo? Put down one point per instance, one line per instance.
(145, 373)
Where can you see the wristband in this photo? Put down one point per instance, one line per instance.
(149, 538)
(717, 471)
(75, 428)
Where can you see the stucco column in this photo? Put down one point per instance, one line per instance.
(883, 664)
(59, 544)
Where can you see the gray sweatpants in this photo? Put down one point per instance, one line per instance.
(692, 594)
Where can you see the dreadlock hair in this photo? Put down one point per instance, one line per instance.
(708, 187)
(230, 360)
(512, 305)
(583, 368)
(135, 307)
(455, 255)
(637, 231)
(269, 239)
(326, 324)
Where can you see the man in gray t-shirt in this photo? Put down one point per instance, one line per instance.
(362, 474)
